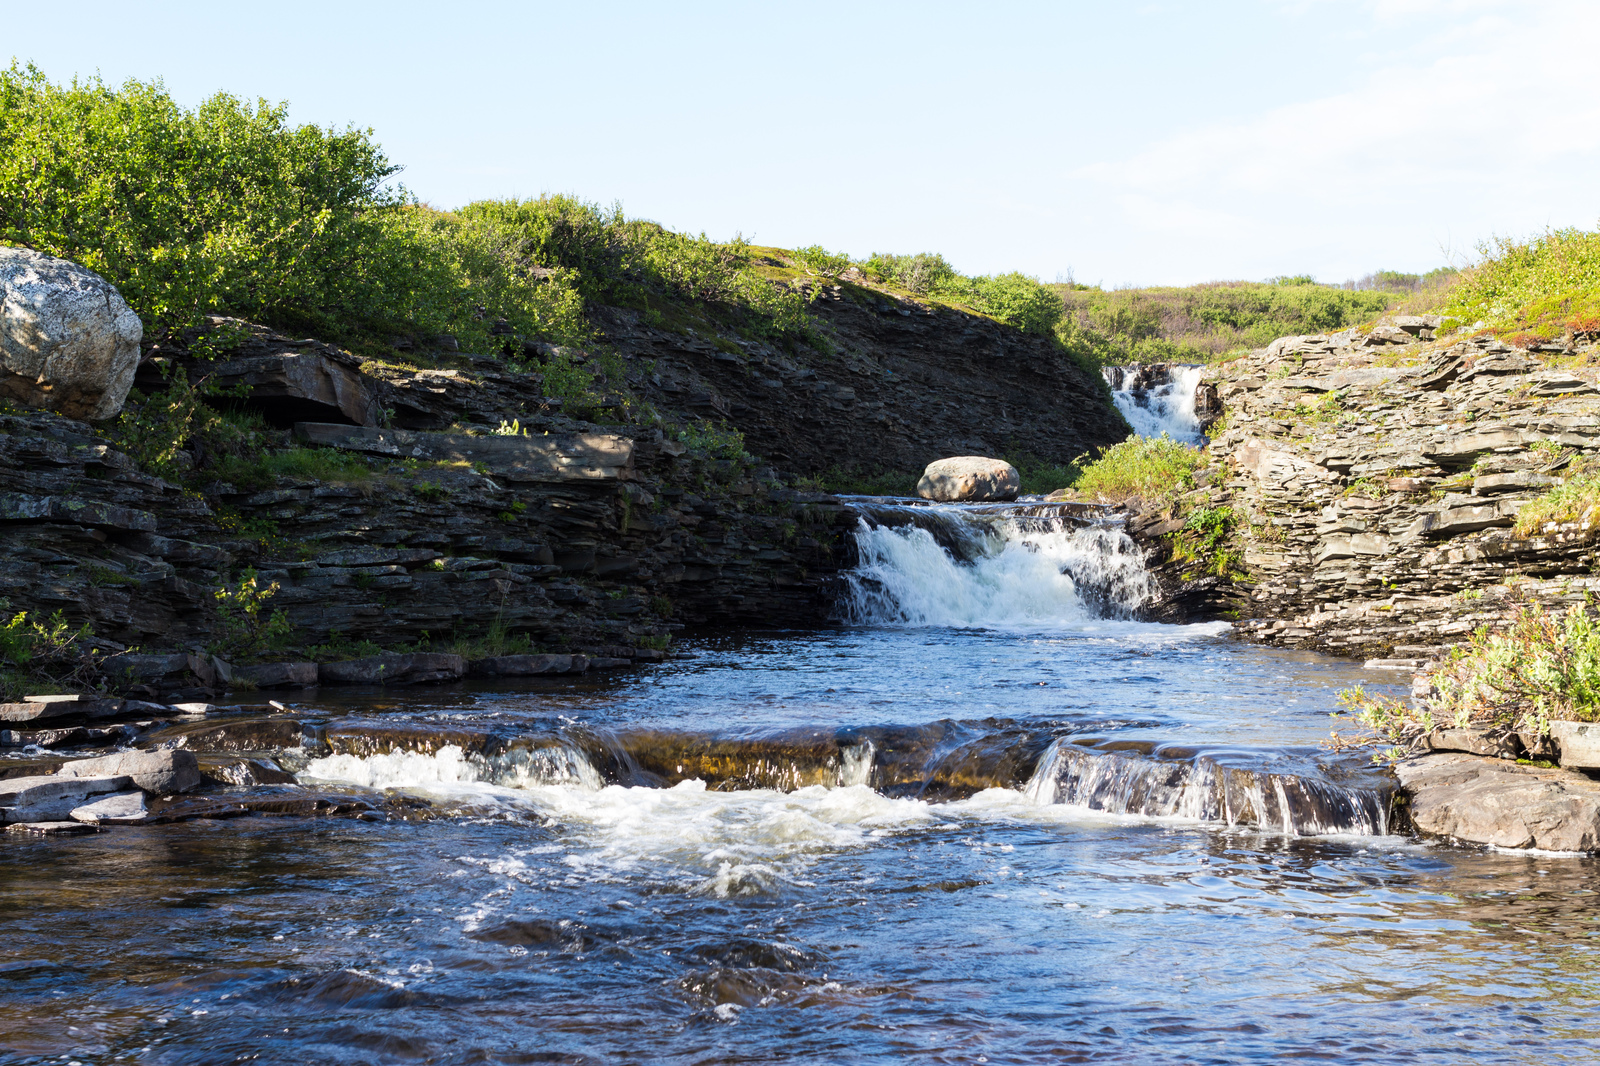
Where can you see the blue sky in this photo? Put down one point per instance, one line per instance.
(1161, 143)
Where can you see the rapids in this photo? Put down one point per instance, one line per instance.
(992, 817)
(1165, 408)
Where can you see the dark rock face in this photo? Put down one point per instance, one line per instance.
(908, 384)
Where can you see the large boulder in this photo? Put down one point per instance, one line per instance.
(969, 477)
(68, 341)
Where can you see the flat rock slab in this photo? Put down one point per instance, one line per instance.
(119, 808)
(527, 665)
(163, 772)
(36, 711)
(1493, 801)
(59, 829)
(394, 669)
(575, 457)
(278, 675)
(53, 798)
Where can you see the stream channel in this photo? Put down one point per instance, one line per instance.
(987, 818)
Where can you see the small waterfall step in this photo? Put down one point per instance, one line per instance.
(1158, 399)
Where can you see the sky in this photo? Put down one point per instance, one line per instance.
(1118, 143)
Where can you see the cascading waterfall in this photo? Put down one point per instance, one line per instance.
(992, 569)
(1162, 403)
(1202, 790)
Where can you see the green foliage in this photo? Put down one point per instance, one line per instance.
(1576, 497)
(245, 629)
(1203, 322)
(155, 429)
(818, 260)
(1541, 667)
(1014, 299)
(309, 464)
(717, 441)
(431, 491)
(1204, 539)
(51, 653)
(1151, 467)
(1539, 289)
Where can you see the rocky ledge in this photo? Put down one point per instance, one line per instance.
(1485, 800)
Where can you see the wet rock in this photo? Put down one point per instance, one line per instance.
(243, 772)
(968, 478)
(43, 799)
(1492, 801)
(165, 771)
(62, 828)
(1577, 744)
(278, 675)
(119, 808)
(248, 734)
(68, 341)
(394, 669)
(43, 708)
(527, 665)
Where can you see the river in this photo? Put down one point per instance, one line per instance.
(986, 820)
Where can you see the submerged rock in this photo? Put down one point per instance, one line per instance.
(68, 341)
(1493, 801)
(969, 477)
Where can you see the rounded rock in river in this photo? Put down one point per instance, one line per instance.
(969, 477)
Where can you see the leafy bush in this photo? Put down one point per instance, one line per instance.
(1151, 467)
(1575, 497)
(819, 260)
(1204, 540)
(50, 653)
(716, 441)
(920, 274)
(245, 628)
(1540, 668)
(1539, 289)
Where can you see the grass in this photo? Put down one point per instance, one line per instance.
(1543, 289)
(1150, 467)
(1541, 667)
(308, 464)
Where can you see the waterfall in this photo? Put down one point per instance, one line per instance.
(1157, 400)
(1202, 790)
(955, 565)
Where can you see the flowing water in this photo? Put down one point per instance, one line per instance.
(991, 818)
(1167, 407)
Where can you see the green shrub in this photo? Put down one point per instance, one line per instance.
(245, 628)
(308, 464)
(1574, 497)
(1151, 467)
(920, 274)
(819, 260)
(49, 654)
(1539, 289)
(712, 440)
(1540, 668)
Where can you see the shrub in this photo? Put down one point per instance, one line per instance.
(920, 274)
(245, 629)
(1541, 667)
(818, 260)
(1575, 497)
(1539, 289)
(1154, 467)
(716, 441)
(50, 653)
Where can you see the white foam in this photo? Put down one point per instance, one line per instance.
(1021, 580)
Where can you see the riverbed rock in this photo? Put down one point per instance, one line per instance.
(163, 772)
(394, 669)
(68, 341)
(278, 675)
(1577, 744)
(527, 665)
(119, 808)
(53, 798)
(43, 709)
(967, 478)
(1493, 801)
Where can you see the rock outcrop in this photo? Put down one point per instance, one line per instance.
(1373, 483)
(969, 478)
(68, 341)
(1493, 801)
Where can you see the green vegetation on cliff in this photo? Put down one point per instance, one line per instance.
(1544, 289)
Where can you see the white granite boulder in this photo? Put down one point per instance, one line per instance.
(969, 478)
(68, 341)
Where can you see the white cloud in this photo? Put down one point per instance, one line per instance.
(1477, 117)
